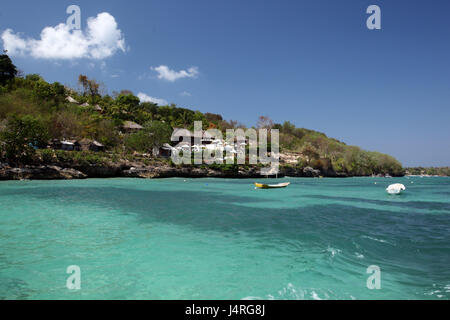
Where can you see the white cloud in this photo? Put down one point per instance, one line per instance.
(145, 98)
(185, 94)
(171, 75)
(101, 39)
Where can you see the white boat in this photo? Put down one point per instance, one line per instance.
(395, 188)
(271, 186)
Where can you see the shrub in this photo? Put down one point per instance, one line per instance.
(66, 124)
(22, 135)
(339, 165)
(302, 163)
(64, 156)
(138, 141)
(88, 158)
(47, 155)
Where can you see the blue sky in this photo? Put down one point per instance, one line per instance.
(313, 63)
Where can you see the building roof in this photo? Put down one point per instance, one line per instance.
(89, 142)
(203, 135)
(70, 99)
(96, 143)
(132, 125)
(167, 146)
(207, 135)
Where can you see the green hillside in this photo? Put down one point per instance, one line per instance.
(33, 111)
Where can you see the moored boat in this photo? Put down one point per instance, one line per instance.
(395, 188)
(272, 186)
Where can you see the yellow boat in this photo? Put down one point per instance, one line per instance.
(272, 186)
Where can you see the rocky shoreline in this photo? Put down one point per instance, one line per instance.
(140, 170)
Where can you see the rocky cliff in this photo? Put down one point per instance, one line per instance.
(140, 170)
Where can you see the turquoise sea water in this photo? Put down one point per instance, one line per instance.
(222, 239)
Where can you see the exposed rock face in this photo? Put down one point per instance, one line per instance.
(289, 158)
(101, 171)
(310, 172)
(69, 173)
(186, 172)
(140, 170)
(39, 173)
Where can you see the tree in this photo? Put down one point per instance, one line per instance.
(8, 70)
(83, 82)
(126, 92)
(212, 117)
(288, 127)
(159, 133)
(33, 77)
(127, 102)
(231, 124)
(310, 152)
(102, 130)
(47, 91)
(90, 87)
(265, 123)
(138, 141)
(154, 135)
(66, 124)
(115, 93)
(22, 135)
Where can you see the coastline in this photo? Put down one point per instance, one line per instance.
(126, 169)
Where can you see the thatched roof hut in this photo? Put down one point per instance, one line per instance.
(91, 145)
(71, 100)
(130, 126)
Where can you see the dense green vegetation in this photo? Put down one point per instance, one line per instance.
(8, 70)
(33, 111)
(322, 152)
(437, 171)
